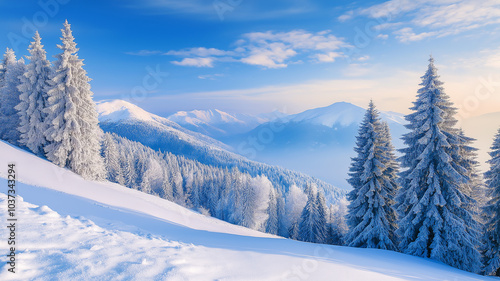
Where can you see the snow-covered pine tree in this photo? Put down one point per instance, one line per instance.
(33, 98)
(9, 97)
(282, 215)
(272, 212)
(7, 58)
(73, 133)
(338, 227)
(474, 188)
(391, 173)
(370, 213)
(433, 221)
(308, 222)
(321, 216)
(295, 203)
(112, 160)
(392, 167)
(492, 210)
(313, 225)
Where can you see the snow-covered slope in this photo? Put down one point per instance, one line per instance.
(318, 142)
(72, 229)
(219, 124)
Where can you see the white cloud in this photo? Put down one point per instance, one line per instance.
(364, 58)
(345, 17)
(272, 49)
(434, 18)
(272, 55)
(269, 49)
(387, 25)
(144, 53)
(197, 62)
(328, 57)
(297, 39)
(383, 36)
(200, 52)
(407, 35)
(210, 76)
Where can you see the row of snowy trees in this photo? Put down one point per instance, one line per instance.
(433, 207)
(48, 108)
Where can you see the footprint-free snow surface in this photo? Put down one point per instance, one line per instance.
(72, 229)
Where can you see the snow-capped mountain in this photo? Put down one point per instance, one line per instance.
(341, 114)
(219, 124)
(318, 141)
(73, 229)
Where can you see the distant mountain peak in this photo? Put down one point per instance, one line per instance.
(116, 110)
(219, 124)
(209, 116)
(339, 113)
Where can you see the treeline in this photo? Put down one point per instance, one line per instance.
(227, 194)
(437, 206)
(161, 139)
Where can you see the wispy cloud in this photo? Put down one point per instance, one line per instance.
(200, 52)
(270, 49)
(327, 57)
(196, 62)
(414, 20)
(193, 7)
(408, 35)
(225, 9)
(211, 76)
(144, 53)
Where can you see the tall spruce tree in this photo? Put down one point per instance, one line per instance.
(307, 225)
(73, 133)
(313, 225)
(272, 222)
(370, 213)
(321, 218)
(492, 210)
(9, 96)
(432, 207)
(33, 98)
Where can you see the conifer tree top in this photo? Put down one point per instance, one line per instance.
(9, 56)
(67, 39)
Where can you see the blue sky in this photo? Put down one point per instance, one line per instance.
(258, 56)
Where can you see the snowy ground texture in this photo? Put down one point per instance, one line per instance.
(73, 229)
